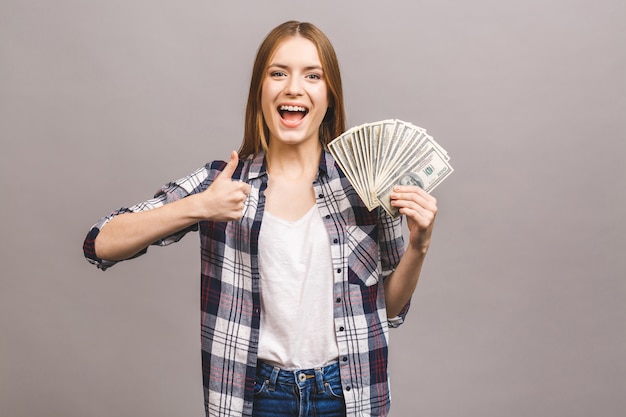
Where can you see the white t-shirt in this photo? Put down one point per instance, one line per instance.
(297, 326)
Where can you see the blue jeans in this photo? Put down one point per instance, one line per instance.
(308, 392)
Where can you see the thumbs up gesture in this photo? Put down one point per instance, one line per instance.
(224, 199)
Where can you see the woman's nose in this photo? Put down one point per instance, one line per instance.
(294, 87)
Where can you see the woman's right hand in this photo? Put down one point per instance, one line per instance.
(225, 199)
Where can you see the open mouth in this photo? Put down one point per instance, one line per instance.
(292, 113)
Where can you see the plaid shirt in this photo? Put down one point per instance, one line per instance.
(365, 248)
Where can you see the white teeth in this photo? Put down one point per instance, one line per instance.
(292, 108)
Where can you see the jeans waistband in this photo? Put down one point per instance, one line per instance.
(275, 375)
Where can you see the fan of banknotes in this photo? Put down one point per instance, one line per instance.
(377, 156)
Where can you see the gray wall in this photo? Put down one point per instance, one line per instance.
(521, 309)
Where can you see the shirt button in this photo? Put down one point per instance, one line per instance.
(348, 388)
(338, 270)
(338, 300)
(335, 240)
(345, 359)
(320, 196)
(341, 329)
(328, 216)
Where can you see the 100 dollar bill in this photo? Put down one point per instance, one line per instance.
(431, 169)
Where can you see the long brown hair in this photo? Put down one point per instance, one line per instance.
(256, 132)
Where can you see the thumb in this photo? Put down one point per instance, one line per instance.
(230, 167)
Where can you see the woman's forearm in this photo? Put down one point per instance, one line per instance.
(401, 284)
(127, 234)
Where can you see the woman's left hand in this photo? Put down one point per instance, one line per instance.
(420, 209)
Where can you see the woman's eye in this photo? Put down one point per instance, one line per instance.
(314, 76)
(278, 74)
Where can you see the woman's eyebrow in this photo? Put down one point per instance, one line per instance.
(307, 68)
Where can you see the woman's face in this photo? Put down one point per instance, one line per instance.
(294, 95)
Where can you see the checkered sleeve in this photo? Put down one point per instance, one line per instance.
(170, 192)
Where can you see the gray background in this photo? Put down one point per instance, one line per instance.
(521, 308)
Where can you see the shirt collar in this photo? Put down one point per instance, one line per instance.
(257, 167)
(327, 164)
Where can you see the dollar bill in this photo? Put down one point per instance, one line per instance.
(430, 171)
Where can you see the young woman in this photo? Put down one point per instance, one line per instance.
(300, 282)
